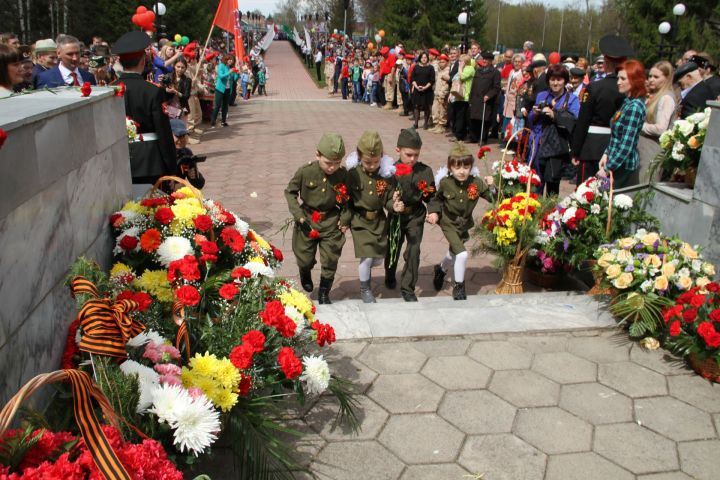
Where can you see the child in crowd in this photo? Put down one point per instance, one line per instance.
(367, 82)
(371, 185)
(187, 161)
(344, 79)
(356, 76)
(261, 82)
(245, 82)
(459, 187)
(322, 218)
(416, 186)
(375, 85)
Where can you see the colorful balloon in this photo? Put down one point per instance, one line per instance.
(370, 46)
(554, 58)
(141, 10)
(177, 38)
(381, 33)
(185, 40)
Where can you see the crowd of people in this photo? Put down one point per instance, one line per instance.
(574, 117)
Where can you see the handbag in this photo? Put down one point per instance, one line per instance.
(457, 88)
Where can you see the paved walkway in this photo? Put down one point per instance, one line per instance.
(581, 404)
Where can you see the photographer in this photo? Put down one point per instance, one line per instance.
(177, 86)
(553, 118)
(187, 161)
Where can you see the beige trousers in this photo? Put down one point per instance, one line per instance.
(195, 117)
(389, 87)
(439, 110)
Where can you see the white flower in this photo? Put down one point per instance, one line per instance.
(130, 216)
(259, 269)
(164, 399)
(145, 337)
(595, 208)
(241, 226)
(666, 139)
(696, 117)
(196, 424)
(703, 124)
(569, 214)
(684, 272)
(145, 374)
(623, 202)
(697, 265)
(542, 238)
(130, 232)
(316, 374)
(708, 269)
(532, 252)
(174, 248)
(684, 127)
(296, 317)
(145, 401)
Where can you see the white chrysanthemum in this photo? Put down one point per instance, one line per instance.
(595, 209)
(316, 374)
(145, 374)
(623, 202)
(259, 269)
(130, 232)
(296, 317)
(146, 390)
(196, 424)
(241, 226)
(569, 214)
(130, 216)
(164, 399)
(145, 337)
(174, 248)
(684, 127)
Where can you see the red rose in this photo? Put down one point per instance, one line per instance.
(277, 253)
(690, 315)
(403, 169)
(188, 295)
(164, 215)
(580, 214)
(228, 291)
(128, 242)
(116, 220)
(245, 385)
(241, 272)
(697, 300)
(203, 223)
(589, 196)
(233, 239)
(675, 328)
(712, 287)
(289, 363)
(715, 315)
(255, 339)
(241, 356)
(86, 89)
(314, 234)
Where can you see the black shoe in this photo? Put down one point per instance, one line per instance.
(409, 297)
(306, 280)
(459, 291)
(224, 124)
(404, 114)
(324, 291)
(439, 278)
(390, 281)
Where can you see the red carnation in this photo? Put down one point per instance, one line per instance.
(316, 217)
(245, 385)
(708, 333)
(697, 300)
(325, 333)
(120, 90)
(241, 272)
(484, 150)
(143, 300)
(277, 253)
(153, 202)
(86, 89)
(187, 267)
(255, 339)
(233, 239)
(589, 196)
(228, 291)
(712, 287)
(188, 295)
(128, 242)
(289, 363)
(403, 169)
(314, 234)
(580, 214)
(226, 217)
(209, 248)
(164, 215)
(274, 316)
(690, 315)
(715, 315)
(116, 219)
(675, 328)
(685, 298)
(203, 223)
(241, 356)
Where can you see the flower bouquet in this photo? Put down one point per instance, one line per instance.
(693, 324)
(512, 177)
(682, 145)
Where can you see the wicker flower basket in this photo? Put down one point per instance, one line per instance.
(543, 280)
(707, 368)
(690, 176)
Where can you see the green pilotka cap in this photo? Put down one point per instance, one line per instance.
(370, 143)
(459, 150)
(331, 146)
(409, 138)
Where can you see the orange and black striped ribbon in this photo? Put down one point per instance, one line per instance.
(95, 439)
(106, 325)
(178, 312)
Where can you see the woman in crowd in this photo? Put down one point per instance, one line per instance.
(553, 118)
(421, 89)
(660, 106)
(514, 80)
(227, 75)
(178, 91)
(164, 61)
(10, 69)
(461, 104)
(621, 156)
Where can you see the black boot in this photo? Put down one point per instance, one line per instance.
(306, 280)
(459, 291)
(390, 281)
(439, 278)
(324, 291)
(416, 117)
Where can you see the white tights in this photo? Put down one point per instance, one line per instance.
(366, 263)
(459, 268)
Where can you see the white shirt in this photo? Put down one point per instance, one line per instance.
(67, 78)
(318, 57)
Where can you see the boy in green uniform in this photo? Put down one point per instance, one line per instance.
(322, 218)
(459, 187)
(416, 186)
(371, 186)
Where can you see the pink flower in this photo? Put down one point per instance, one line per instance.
(168, 369)
(152, 353)
(169, 351)
(195, 393)
(170, 380)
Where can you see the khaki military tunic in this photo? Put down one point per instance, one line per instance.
(367, 204)
(455, 208)
(316, 189)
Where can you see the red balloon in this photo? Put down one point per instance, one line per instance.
(554, 58)
(150, 15)
(141, 9)
(136, 19)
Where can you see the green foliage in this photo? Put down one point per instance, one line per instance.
(642, 313)
(346, 415)
(121, 391)
(13, 450)
(89, 269)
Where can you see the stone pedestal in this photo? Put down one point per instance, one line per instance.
(65, 168)
(694, 214)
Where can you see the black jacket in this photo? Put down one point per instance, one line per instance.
(695, 100)
(486, 82)
(598, 104)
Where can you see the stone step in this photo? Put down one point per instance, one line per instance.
(435, 316)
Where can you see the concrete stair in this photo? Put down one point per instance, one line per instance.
(436, 316)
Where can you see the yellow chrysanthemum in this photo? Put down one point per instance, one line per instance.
(224, 399)
(155, 283)
(217, 378)
(299, 300)
(187, 192)
(119, 269)
(257, 260)
(185, 209)
(260, 241)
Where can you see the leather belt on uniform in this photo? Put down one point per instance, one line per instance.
(368, 214)
(456, 219)
(146, 137)
(323, 215)
(597, 129)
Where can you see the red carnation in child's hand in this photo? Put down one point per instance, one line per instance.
(316, 217)
(255, 339)
(241, 272)
(241, 356)
(128, 242)
(484, 150)
(228, 291)
(403, 169)
(233, 239)
(277, 253)
(203, 223)
(314, 234)
(164, 215)
(188, 295)
(86, 89)
(289, 363)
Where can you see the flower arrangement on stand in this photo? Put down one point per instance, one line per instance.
(682, 145)
(512, 176)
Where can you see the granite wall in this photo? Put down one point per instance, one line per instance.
(694, 214)
(65, 168)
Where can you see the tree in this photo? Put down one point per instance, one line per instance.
(338, 9)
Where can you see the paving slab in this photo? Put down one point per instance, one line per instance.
(699, 459)
(675, 419)
(584, 466)
(392, 358)
(501, 355)
(422, 438)
(447, 471)
(408, 393)
(596, 403)
(553, 430)
(477, 411)
(502, 457)
(635, 448)
(457, 373)
(371, 418)
(524, 388)
(632, 379)
(600, 349)
(356, 461)
(696, 391)
(564, 367)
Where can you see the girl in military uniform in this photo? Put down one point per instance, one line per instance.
(322, 218)
(459, 187)
(371, 186)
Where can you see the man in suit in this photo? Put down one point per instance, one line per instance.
(454, 67)
(153, 154)
(66, 73)
(693, 90)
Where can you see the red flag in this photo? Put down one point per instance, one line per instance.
(225, 15)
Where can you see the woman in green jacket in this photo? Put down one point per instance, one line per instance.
(227, 74)
(466, 72)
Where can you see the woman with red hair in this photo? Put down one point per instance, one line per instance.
(621, 155)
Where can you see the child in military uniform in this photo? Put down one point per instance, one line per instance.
(371, 186)
(322, 218)
(416, 186)
(459, 187)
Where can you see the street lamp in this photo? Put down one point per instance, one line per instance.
(667, 46)
(160, 10)
(464, 20)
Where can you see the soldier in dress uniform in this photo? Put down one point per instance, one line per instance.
(153, 155)
(371, 186)
(598, 104)
(459, 187)
(416, 189)
(322, 218)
